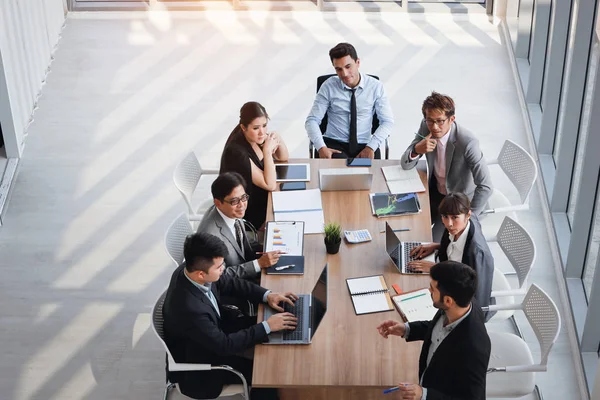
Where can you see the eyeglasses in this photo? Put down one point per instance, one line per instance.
(236, 200)
(438, 122)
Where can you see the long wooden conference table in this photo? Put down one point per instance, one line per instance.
(347, 357)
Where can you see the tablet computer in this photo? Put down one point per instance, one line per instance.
(292, 172)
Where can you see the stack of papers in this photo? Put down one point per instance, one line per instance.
(401, 180)
(300, 205)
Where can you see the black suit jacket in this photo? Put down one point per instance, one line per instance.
(194, 331)
(457, 370)
(478, 256)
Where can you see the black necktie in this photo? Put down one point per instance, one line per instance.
(239, 234)
(353, 143)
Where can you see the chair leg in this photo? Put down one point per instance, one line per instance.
(514, 322)
(538, 393)
(167, 390)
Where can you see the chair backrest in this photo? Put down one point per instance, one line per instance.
(544, 318)
(320, 80)
(519, 166)
(518, 247)
(186, 176)
(179, 229)
(158, 324)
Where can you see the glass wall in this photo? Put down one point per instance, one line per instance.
(560, 42)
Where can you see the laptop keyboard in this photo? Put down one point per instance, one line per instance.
(296, 334)
(408, 247)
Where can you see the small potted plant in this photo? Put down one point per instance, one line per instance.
(333, 237)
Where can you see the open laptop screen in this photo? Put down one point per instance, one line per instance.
(391, 243)
(319, 301)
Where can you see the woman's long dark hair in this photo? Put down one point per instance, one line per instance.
(248, 113)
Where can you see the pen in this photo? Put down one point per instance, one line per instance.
(422, 137)
(266, 252)
(398, 230)
(284, 267)
(390, 390)
(395, 388)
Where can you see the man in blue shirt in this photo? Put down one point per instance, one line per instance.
(349, 100)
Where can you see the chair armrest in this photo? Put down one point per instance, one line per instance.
(498, 307)
(311, 150)
(179, 367)
(519, 368)
(210, 171)
(499, 210)
(387, 148)
(515, 292)
(493, 161)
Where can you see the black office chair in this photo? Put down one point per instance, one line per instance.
(323, 126)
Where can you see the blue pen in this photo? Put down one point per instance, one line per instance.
(395, 388)
(390, 390)
(422, 137)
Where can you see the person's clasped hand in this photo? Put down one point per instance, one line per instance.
(426, 145)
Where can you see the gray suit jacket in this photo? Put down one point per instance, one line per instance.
(238, 262)
(466, 170)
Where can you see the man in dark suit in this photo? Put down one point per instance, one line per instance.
(199, 330)
(224, 220)
(456, 163)
(456, 347)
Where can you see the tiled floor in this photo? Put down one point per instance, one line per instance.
(127, 96)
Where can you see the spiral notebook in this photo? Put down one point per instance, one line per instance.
(369, 294)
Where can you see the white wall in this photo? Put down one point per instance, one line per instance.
(29, 31)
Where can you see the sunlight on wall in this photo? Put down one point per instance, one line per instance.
(80, 384)
(45, 311)
(142, 323)
(60, 349)
(120, 238)
(142, 272)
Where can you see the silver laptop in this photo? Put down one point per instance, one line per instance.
(399, 251)
(345, 179)
(309, 309)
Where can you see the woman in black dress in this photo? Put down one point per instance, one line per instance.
(251, 151)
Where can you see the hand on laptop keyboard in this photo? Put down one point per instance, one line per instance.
(282, 321)
(275, 299)
(420, 266)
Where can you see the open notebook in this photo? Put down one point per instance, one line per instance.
(369, 294)
(415, 306)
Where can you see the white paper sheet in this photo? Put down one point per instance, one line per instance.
(368, 303)
(300, 205)
(416, 306)
(365, 285)
(401, 180)
(285, 236)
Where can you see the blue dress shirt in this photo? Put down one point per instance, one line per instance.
(333, 98)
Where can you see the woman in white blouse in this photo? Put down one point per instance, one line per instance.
(462, 241)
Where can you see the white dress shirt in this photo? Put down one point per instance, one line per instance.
(456, 247)
(230, 222)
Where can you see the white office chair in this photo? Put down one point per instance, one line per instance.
(511, 371)
(179, 229)
(519, 248)
(172, 366)
(521, 169)
(186, 177)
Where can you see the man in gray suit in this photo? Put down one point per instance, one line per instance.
(455, 161)
(224, 220)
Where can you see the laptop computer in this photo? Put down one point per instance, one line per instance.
(345, 179)
(309, 309)
(399, 251)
